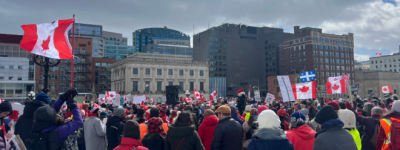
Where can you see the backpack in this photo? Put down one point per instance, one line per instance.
(395, 135)
(253, 128)
(374, 138)
(36, 141)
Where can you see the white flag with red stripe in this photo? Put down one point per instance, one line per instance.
(336, 85)
(386, 89)
(48, 39)
(305, 90)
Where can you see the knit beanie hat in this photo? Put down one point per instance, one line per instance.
(103, 114)
(154, 112)
(348, 118)
(282, 112)
(132, 129)
(261, 108)
(45, 116)
(334, 104)
(268, 119)
(297, 119)
(396, 106)
(119, 111)
(44, 98)
(247, 108)
(348, 105)
(376, 111)
(325, 114)
(140, 113)
(6, 107)
(304, 111)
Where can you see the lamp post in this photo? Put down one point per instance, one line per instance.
(46, 64)
(187, 93)
(31, 95)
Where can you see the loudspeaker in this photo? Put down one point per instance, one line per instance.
(172, 93)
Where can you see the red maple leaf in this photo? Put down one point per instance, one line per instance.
(304, 89)
(335, 79)
(45, 45)
(335, 87)
(197, 94)
(111, 95)
(385, 89)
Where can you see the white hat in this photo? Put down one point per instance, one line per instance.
(248, 108)
(348, 118)
(268, 119)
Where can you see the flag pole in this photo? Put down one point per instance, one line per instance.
(73, 49)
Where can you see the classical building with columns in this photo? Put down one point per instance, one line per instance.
(148, 73)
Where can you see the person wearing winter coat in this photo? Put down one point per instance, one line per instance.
(235, 116)
(349, 120)
(207, 128)
(115, 128)
(195, 121)
(250, 127)
(95, 131)
(24, 124)
(269, 134)
(332, 135)
(224, 138)
(46, 121)
(182, 135)
(81, 137)
(5, 110)
(155, 137)
(301, 135)
(131, 137)
(386, 123)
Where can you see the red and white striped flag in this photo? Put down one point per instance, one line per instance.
(48, 39)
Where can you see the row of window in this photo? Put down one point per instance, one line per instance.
(333, 54)
(98, 41)
(217, 57)
(390, 65)
(298, 41)
(114, 39)
(300, 55)
(11, 78)
(103, 64)
(171, 42)
(338, 61)
(159, 72)
(217, 39)
(217, 69)
(51, 77)
(11, 67)
(384, 60)
(97, 55)
(300, 61)
(217, 51)
(99, 50)
(321, 46)
(327, 40)
(333, 67)
(217, 45)
(217, 63)
(135, 86)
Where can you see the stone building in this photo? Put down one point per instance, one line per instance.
(147, 73)
(371, 80)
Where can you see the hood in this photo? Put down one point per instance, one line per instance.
(270, 134)
(31, 107)
(210, 121)
(305, 132)
(272, 143)
(112, 120)
(332, 123)
(180, 131)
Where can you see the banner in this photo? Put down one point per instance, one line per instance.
(257, 95)
(270, 97)
(286, 88)
(117, 100)
(139, 99)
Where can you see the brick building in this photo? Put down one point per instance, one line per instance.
(310, 49)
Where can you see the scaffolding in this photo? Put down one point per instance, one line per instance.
(82, 72)
(103, 79)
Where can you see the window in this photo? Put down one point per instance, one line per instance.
(181, 86)
(11, 67)
(95, 55)
(159, 85)
(191, 72)
(2, 67)
(191, 86)
(19, 78)
(181, 72)
(170, 83)
(211, 57)
(135, 71)
(159, 71)
(97, 64)
(10, 78)
(201, 86)
(19, 66)
(170, 72)
(201, 73)
(147, 86)
(147, 71)
(1, 78)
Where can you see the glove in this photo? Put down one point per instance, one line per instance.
(64, 97)
(71, 103)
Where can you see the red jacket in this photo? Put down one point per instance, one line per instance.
(382, 136)
(206, 130)
(129, 144)
(303, 137)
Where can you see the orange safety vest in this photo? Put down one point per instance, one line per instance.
(143, 131)
(386, 124)
(165, 126)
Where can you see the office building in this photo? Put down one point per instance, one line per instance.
(145, 36)
(386, 62)
(168, 49)
(149, 73)
(87, 31)
(244, 55)
(118, 52)
(328, 54)
(370, 82)
(112, 38)
(362, 65)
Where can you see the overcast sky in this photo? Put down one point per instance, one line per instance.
(375, 23)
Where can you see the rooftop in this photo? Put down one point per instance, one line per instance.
(159, 58)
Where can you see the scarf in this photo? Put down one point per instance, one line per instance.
(92, 114)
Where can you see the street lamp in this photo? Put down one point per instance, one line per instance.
(187, 93)
(31, 95)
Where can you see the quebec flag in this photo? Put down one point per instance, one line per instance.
(307, 76)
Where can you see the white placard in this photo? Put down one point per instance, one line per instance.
(286, 88)
(270, 97)
(117, 100)
(257, 95)
(139, 99)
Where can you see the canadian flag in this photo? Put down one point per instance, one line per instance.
(196, 94)
(210, 103)
(102, 100)
(386, 89)
(305, 90)
(125, 99)
(152, 100)
(48, 39)
(2, 100)
(336, 85)
(379, 54)
(110, 96)
(214, 94)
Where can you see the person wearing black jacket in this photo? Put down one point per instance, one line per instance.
(228, 134)
(115, 128)
(24, 124)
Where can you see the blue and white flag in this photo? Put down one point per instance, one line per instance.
(307, 76)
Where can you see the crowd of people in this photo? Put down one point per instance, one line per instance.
(312, 124)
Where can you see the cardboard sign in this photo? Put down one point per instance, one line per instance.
(286, 88)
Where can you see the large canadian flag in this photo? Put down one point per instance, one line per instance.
(196, 94)
(305, 90)
(336, 85)
(214, 94)
(48, 39)
(110, 96)
(386, 89)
